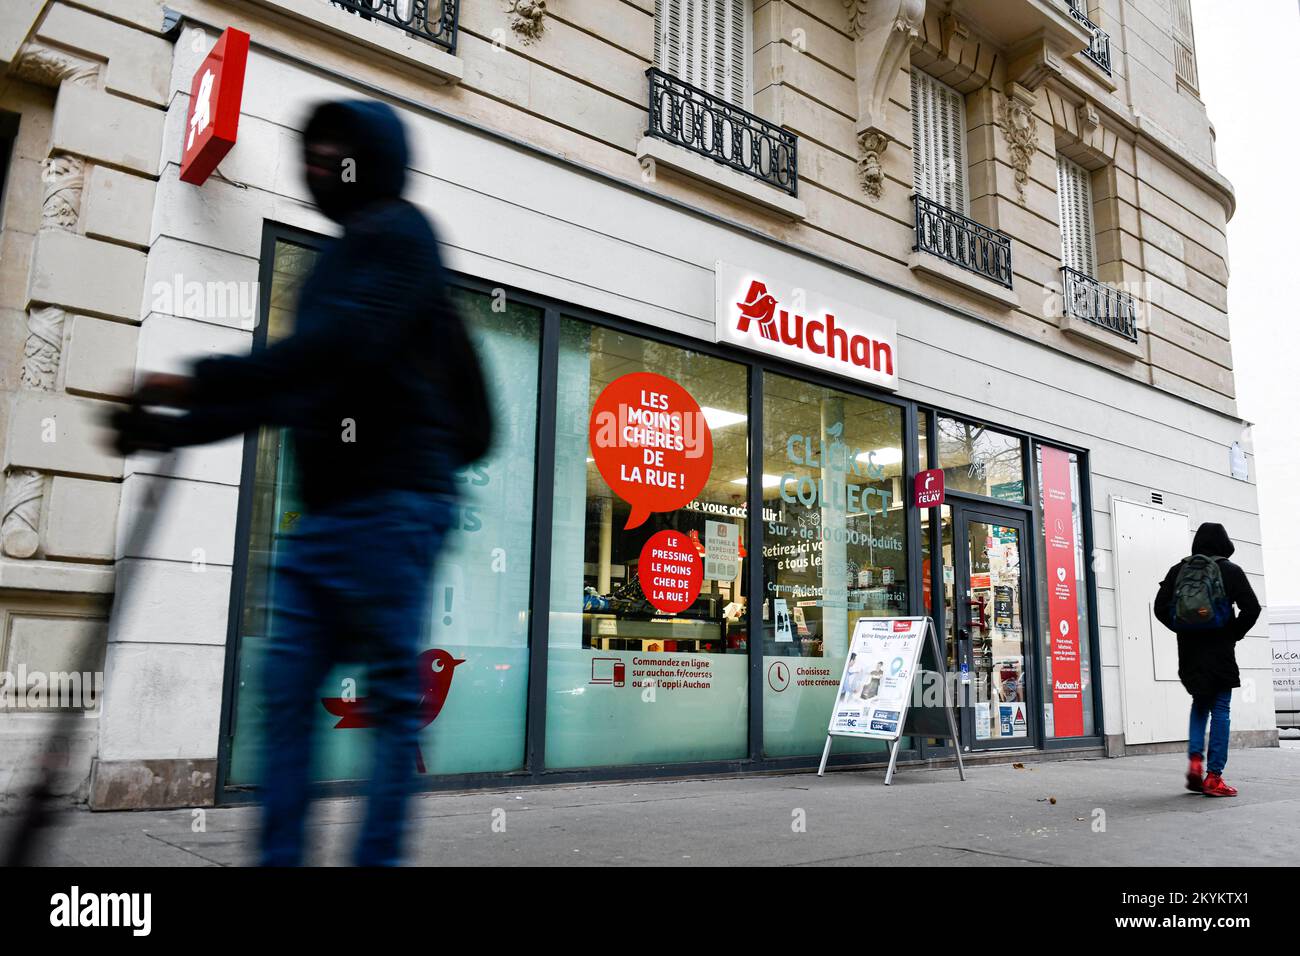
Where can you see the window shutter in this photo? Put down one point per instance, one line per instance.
(705, 43)
(1184, 43)
(939, 142)
(1074, 196)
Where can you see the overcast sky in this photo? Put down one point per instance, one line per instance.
(1246, 56)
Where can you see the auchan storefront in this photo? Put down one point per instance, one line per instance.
(658, 567)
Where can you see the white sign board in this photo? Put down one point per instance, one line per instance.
(721, 551)
(772, 314)
(877, 682)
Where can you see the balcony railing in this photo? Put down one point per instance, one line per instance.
(1099, 47)
(689, 117)
(961, 241)
(1099, 304)
(432, 20)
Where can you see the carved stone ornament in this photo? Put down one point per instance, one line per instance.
(1016, 117)
(63, 177)
(907, 15)
(528, 18)
(1088, 119)
(47, 66)
(24, 489)
(871, 173)
(43, 348)
(883, 32)
(857, 11)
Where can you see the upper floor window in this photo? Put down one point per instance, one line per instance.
(939, 142)
(1074, 196)
(1184, 43)
(706, 43)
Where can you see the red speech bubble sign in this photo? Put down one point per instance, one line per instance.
(651, 443)
(670, 571)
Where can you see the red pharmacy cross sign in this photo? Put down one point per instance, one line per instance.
(212, 120)
(929, 488)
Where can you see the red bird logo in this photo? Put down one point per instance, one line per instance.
(760, 306)
(436, 670)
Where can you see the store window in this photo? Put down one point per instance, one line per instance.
(980, 460)
(649, 627)
(835, 548)
(1066, 649)
(478, 621)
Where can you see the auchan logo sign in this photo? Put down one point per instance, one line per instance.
(762, 313)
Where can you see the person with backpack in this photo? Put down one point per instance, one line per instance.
(1195, 601)
(385, 401)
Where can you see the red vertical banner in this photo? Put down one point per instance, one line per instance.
(1062, 594)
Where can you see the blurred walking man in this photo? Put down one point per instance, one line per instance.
(1195, 601)
(385, 400)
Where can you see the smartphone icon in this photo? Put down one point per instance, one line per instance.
(620, 670)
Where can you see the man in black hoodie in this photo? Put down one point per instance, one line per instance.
(1207, 662)
(385, 400)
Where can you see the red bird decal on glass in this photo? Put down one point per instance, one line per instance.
(436, 670)
(760, 306)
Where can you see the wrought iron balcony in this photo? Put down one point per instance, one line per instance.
(432, 20)
(686, 116)
(962, 241)
(1099, 304)
(1099, 47)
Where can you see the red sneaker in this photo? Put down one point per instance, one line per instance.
(1195, 774)
(1215, 787)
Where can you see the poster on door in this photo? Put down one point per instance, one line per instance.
(1062, 594)
(877, 681)
(721, 551)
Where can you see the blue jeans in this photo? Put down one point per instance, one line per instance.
(351, 584)
(1216, 709)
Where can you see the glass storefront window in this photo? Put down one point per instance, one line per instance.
(1065, 636)
(834, 549)
(649, 627)
(480, 599)
(980, 460)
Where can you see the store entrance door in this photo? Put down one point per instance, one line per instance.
(992, 607)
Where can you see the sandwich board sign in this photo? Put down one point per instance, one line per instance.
(879, 682)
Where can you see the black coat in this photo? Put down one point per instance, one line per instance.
(378, 353)
(1207, 661)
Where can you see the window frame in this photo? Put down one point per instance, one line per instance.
(1076, 207)
(925, 167)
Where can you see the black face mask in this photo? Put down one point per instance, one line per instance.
(355, 155)
(328, 179)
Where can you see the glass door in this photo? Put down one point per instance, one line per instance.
(992, 650)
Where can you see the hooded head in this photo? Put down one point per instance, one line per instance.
(1212, 539)
(355, 154)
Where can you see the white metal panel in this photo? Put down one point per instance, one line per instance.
(1148, 540)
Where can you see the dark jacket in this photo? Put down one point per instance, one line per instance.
(1207, 662)
(378, 353)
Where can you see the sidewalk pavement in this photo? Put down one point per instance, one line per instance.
(1097, 812)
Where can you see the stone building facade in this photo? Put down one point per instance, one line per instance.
(941, 161)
